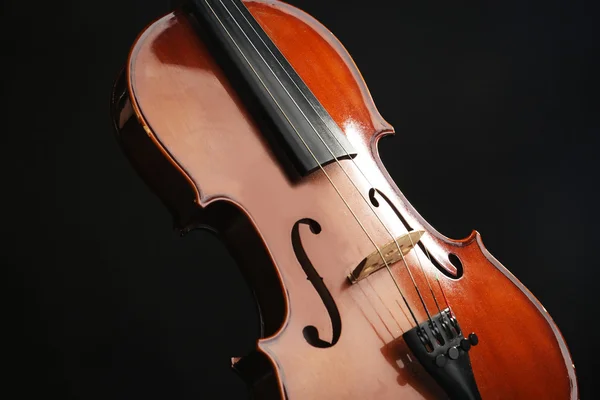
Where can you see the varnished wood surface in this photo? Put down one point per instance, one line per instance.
(198, 124)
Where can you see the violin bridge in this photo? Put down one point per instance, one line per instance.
(375, 262)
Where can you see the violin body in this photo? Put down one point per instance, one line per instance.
(190, 135)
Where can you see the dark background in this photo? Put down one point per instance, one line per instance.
(496, 110)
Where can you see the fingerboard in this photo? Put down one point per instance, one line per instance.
(310, 137)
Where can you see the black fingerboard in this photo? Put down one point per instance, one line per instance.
(310, 137)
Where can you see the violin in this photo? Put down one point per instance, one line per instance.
(249, 118)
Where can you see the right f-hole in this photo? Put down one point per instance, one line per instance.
(453, 258)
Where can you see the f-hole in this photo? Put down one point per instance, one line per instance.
(311, 333)
(453, 258)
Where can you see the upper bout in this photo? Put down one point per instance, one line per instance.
(325, 66)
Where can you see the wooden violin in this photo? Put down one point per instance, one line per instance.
(250, 118)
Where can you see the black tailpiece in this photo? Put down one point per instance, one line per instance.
(444, 353)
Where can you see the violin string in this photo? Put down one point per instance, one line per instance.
(342, 168)
(401, 309)
(437, 278)
(308, 147)
(443, 292)
(322, 140)
(426, 278)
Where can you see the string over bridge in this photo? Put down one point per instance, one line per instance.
(375, 262)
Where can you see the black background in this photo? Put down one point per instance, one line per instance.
(496, 110)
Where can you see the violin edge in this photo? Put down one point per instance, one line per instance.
(475, 239)
(195, 211)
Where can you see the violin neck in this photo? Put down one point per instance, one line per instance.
(299, 128)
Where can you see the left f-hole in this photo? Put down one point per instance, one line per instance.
(310, 332)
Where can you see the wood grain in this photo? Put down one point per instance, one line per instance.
(186, 117)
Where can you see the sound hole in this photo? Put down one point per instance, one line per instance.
(372, 197)
(452, 257)
(311, 333)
